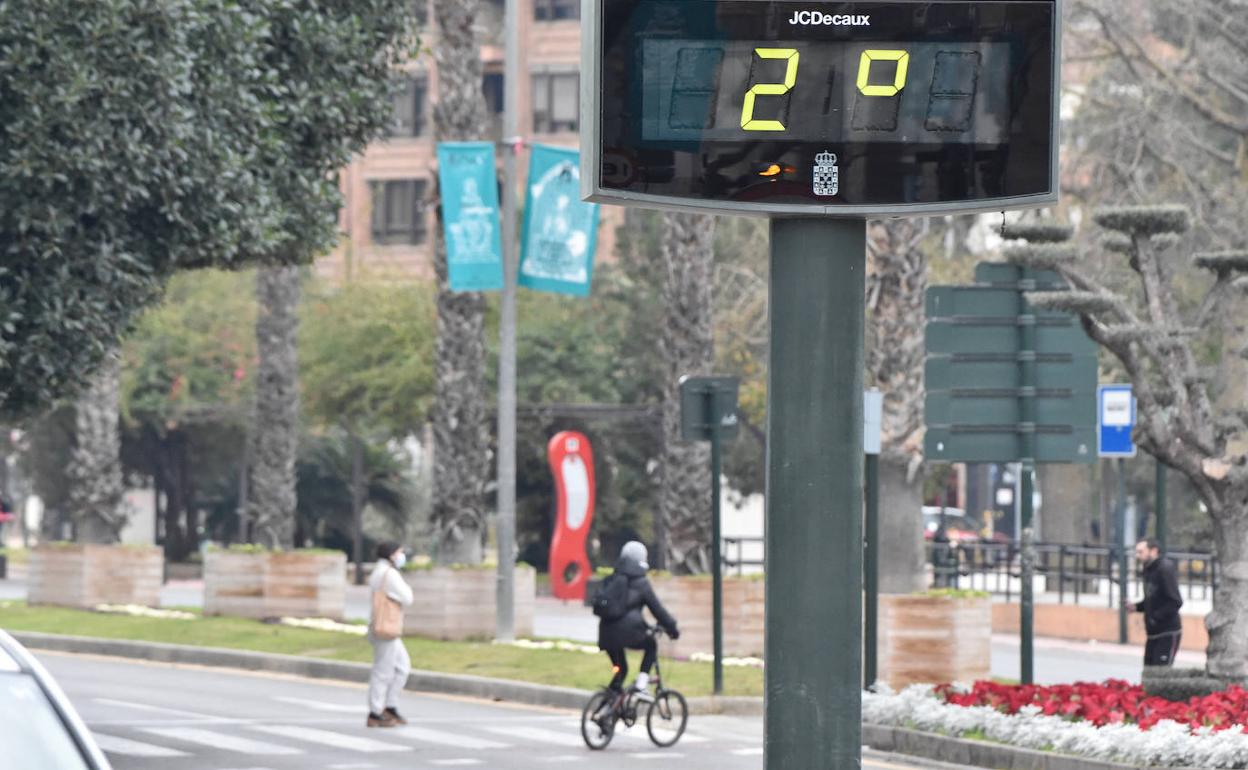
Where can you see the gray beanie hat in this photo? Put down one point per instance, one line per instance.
(635, 551)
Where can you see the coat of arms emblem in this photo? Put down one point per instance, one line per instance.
(827, 175)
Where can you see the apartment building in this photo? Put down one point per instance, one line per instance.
(388, 219)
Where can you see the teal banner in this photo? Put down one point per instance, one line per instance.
(560, 230)
(470, 219)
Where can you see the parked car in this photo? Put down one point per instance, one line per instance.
(958, 526)
(39, 728)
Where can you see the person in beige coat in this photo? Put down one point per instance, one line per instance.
(391, 663)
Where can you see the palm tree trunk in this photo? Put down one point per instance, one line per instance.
(461, 441)
(275, 427)
(95, 496)
(688, 348)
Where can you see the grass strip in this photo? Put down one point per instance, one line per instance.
(551, 667)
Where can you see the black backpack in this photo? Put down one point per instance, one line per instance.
(611, 600)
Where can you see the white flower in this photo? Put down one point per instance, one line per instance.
(138, 610)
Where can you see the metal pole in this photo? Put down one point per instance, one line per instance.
(871, 573)
(505, 621)
(1027, 471)
(717, 567)
(1159, 486)
(357, 505)
(1120, 524)
(813, 704)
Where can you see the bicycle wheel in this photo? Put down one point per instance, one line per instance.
(598, 720)
(667, 718)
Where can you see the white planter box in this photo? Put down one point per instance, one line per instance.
(86, 575)
(277, 584)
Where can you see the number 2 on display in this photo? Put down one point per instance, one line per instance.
(750, 123)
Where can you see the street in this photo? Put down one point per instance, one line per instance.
(147, 715)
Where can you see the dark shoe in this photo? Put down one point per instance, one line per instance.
(395, 715)
(381, 720)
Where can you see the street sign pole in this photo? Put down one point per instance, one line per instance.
(1027, 456)
(813, 705)
(1120, 524)
(1159, 492)
(717, 563)
(873, 405)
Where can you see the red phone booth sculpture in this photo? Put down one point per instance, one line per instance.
(572, 463)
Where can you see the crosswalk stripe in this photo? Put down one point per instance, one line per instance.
(754, 751)
(225, 741)
(442, 738)
(111, 744)
(656, 755)
(319, 705)
(538, 734)
(329, 738)
(455, 762)
(158, 709)
(638, 732)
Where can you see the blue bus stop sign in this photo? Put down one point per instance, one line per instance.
(1115, 417)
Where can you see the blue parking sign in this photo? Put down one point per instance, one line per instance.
(1115, 418)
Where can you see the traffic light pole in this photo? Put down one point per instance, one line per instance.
(813, 705)
(717, 562)
(871, 572)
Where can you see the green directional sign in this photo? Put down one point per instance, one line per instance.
(975, 373)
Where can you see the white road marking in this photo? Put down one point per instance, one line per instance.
(638, 732)
(656, 755)
(565, 758)
(319, 705)
(455, 762)
(111, 744)
(354, 766)
(429, 735)
(331, 739)
(754, 751)
(539, 734)
(157, 709)
(225, 741)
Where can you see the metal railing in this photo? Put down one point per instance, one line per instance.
(1068, 573)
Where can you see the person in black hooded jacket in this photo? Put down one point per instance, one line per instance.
(629, 631)
(1161, 604)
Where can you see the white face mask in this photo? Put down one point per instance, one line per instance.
(399, 558)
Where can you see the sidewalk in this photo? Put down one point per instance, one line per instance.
(1056, 660)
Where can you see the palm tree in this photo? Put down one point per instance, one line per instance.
(688, 348)
(461, 441)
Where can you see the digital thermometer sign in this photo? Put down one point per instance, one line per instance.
(851, 108)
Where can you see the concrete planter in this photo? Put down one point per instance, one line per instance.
(689, 600)
(275, 584)
(86, 575)
(455, 604)
(934, 639)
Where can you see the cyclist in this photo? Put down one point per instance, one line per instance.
(623, 626)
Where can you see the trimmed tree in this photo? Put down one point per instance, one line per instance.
(460, 436)
(1160, 338)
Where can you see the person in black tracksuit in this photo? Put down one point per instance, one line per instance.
(1161, 604)
(629, 630)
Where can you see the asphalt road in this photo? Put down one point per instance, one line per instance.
(148, 716)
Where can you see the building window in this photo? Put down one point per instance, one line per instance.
(556, 10)
(492, 89)
(556, 103)
(399, 211)
(409, 108)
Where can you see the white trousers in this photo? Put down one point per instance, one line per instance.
(391, 665)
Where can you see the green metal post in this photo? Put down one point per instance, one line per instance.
(1027, 467)
(1159, 486)
(813, 711)
(871, 571)
(1120, 535)
(717, 563)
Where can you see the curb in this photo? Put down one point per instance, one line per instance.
(968, 753)
(485, 688)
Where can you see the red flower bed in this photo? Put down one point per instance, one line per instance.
(1110, 702)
